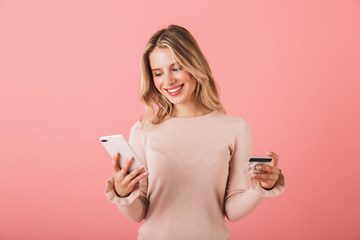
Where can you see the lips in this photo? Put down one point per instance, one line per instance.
(174, 90)
(174, 87)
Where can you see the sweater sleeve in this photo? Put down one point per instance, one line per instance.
(136, 204)
(240, 200)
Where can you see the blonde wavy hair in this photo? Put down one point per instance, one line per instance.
(187, 53)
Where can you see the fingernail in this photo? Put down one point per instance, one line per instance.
(268, 153)
(258, 167)
(141, 167)
(255, 175)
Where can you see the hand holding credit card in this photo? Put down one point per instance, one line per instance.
(250, 168)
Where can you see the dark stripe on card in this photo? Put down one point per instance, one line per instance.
(260, 159)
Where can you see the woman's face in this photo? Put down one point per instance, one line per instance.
(176, 84)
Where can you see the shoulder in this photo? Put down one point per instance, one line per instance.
(136, 126)
(137, 133)
(236, 129)
(139, 128)
(237, 123)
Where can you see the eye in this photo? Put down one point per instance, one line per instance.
(177, 69)
(157, 74)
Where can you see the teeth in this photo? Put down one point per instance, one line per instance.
(174, 90)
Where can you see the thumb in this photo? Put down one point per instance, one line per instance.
(275, 159)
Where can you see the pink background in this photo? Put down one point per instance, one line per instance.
(69, 74)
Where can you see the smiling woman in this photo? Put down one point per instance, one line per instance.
(176, 84)
(195, 153)
(171, 58)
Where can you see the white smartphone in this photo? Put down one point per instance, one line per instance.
(250, 168)
(117, 144)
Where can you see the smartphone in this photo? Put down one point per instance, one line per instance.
(117, 144)
(250, 168)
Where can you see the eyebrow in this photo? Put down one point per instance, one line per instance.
(155, 69)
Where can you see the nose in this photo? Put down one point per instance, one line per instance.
(170, 79)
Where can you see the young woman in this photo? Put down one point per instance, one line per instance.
(195, 153)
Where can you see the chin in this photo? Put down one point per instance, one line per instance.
(175, 101)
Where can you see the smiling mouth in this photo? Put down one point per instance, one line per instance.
(172, 90)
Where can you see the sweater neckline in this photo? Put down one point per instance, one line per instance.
(193, 118)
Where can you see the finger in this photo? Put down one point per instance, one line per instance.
(264, 168)
(275, 157)
(134, 173)
(115, 162)
(267, 184)
(138, 178)
(268, 169)
(265, 177)
(126, 167)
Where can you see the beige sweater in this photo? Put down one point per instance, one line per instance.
(195, 178)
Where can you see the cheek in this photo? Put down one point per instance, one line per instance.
(158, 83)
(189, 79)
(192, 84)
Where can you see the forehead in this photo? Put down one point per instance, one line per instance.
(161, 58)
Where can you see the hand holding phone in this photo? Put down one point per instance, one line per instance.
(127, 167)
(124, 183)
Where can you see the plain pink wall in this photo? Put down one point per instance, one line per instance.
(69, 74)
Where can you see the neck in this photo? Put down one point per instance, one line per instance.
(189, 110)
